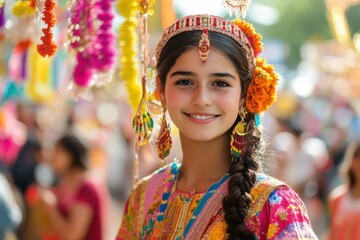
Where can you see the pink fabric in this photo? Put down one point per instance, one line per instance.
(90, 194)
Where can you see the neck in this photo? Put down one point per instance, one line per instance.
(73, 176)
(355, 190)
(204, 163)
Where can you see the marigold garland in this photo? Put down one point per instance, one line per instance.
(262, 90)
(48, 46)
(251, 34)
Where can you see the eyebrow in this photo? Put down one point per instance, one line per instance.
(186, 73)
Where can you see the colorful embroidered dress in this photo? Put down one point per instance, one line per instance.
(157, 210)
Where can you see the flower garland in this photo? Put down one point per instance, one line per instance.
(262, 90)
(48, 46)
(104, 60)
(253, 37)
(128, 42)
(80, 39)
(2, 20)
(146, 7)
(78, 26)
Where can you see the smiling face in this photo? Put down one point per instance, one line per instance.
(203, 100)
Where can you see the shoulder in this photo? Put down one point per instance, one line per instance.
(264, 186)
(156, 179)
(278, 211)
(271, 193)
(338, 192)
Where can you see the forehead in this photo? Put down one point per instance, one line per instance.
(216, 62)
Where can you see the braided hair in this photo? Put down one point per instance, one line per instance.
(242, 170)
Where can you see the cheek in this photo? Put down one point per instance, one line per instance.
(174, 98)
(230, 104)
(356, 165)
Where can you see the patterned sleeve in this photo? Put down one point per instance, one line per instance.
(288, 216)
(129, 226)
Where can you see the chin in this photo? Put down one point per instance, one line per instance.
(200, 136)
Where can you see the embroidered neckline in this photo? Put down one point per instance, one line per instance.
(170, 189)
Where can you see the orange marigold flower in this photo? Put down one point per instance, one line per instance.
(253, 37)
(262, 89)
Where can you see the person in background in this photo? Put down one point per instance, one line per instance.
(76, 206)
(10, 212)
(344, 201)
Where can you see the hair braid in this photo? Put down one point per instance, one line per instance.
(242, 178)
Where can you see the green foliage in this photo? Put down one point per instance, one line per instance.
(353, 18)
(299, 21)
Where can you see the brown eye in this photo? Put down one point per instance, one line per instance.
(183, 82)
(221, 84)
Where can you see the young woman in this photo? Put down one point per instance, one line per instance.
(77, 207)
(344, 201)
(214, 86)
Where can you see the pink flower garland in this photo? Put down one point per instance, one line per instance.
(95, 47)
(80, 38)
(105, 39)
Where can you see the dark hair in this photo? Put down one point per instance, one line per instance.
(352, 152)
(76, 149)
(242, 170)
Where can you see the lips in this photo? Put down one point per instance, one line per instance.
(202, 117)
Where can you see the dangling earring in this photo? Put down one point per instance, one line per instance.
(238, 141)
(164, 141)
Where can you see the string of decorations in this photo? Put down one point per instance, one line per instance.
(128, 45)
(48, 46)
(91, 37)
(81, 36)
(104, 45)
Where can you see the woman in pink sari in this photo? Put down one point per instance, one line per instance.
(214, 86)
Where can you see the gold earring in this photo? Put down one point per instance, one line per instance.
(164, 141)
(238, 136)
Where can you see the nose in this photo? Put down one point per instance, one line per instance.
(201, 97)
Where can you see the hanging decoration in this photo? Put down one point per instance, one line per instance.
(22, 29)
(48, 46)
(105, 57)
(11, 90)
(128, 44)
(38, 86)
(2, 19)
(143, 122)
(91, 37)
(80, 39)
(237, 7)
(167, 13)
